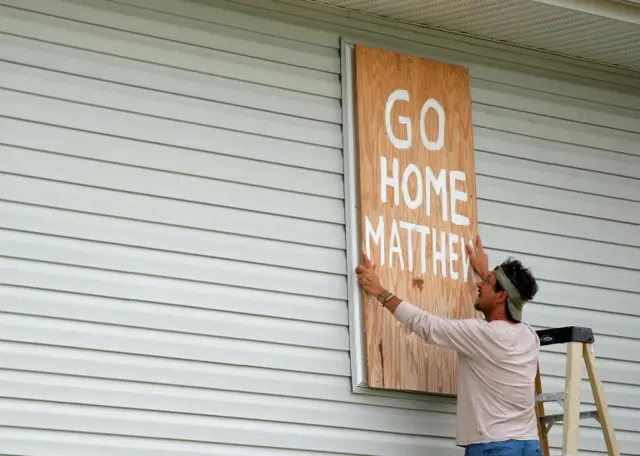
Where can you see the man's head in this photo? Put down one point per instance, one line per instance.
(504, 291)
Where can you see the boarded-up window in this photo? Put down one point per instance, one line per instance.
(417, 207)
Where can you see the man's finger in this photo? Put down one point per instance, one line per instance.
(365, 259)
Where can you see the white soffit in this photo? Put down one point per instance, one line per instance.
(605, 31)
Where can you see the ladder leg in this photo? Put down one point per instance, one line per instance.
(601, 404)
(571, 424)
(542, 432)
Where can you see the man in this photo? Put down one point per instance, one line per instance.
(497, 355)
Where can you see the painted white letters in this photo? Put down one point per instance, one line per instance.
(415, 186)
(378, 237)
(397, 95)
(386, 181)
(431, 103)
(438, 251)
(457, 195)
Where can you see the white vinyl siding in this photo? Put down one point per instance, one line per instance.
(172, 244)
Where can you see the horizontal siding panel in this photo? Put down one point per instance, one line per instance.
(161, 131)
(314, 164)
(282, 384)
(55, 57)
(118, 394)
(554, 105)
(588, 182)
(75, 444)
(495, 51)
(199, 85)
(200, 374)
(170, 239)
(556, 153)
(543, 72)
(225, 322)
(558, 223)
(560, 130)
(591, 438)
(624, 328)
(209, 402)
(193, 188)
(176, 319)
(210, 429)
(226, 167)
(615, 348)
(216, 114)
(236, 40)
(611, 371)
(211, 243)
(456, 44)
(65, 333)
(172, 265)
(175, 54)
(175, 265)
(158, 290)
(509, 74)
(536, 196)
(562, 270)
(220, 13)
(164, 105)
(623, 399)
(237, 431)
(152, 209)
(160, 156)
(256, 20)
(171, 185)
(545, 245)
(93, 336)
(228, 220)
(557, 450)
(567, 295)
(30, 441)
(163, 78)
(219, 245)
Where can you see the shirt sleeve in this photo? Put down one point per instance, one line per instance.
(465, 336)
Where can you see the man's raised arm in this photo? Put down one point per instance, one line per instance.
(464, 336)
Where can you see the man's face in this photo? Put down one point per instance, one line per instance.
(487, 298)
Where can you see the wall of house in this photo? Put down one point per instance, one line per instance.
(172, 242)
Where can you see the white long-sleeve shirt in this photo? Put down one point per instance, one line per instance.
(497, 368)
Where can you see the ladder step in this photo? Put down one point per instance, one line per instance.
(564, 335)
(548, 397)
(550, 419)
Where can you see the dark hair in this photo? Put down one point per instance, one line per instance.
(521, 278)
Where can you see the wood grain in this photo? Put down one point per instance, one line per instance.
(414, 214)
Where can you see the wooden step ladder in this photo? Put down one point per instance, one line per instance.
(579, 341)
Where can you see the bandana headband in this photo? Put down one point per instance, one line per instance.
(512, 292)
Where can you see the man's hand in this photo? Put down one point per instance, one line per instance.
(368, 277)
(478, 258)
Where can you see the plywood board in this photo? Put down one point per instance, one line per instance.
(417, 207)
